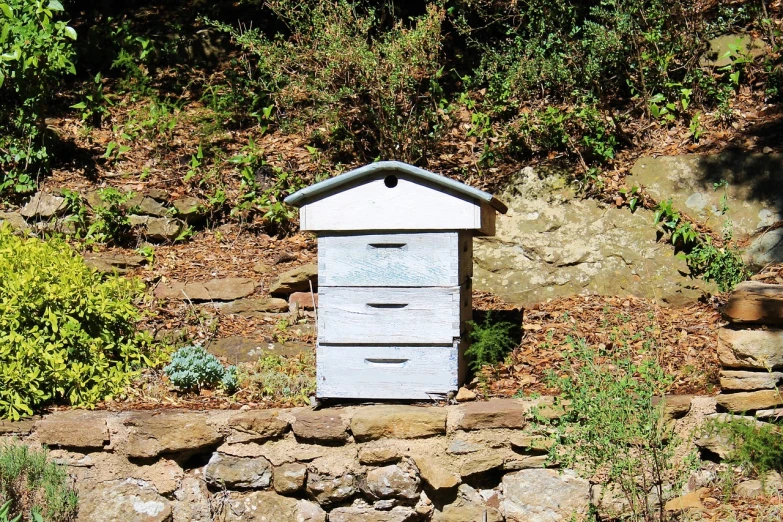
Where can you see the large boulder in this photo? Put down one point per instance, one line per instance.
(723, 50)
(753, 193)
(765, 249)
(552, 244)
(544, 495)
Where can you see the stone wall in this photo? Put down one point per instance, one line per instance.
(750, 350)
(469, 462)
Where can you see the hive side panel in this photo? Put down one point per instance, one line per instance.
(387, 372)
(387, 315)
(406, 206)
(394, 259)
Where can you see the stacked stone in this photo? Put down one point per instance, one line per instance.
(750, 350)
(475, 461)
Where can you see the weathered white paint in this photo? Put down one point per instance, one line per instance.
(387, 372)
(388, 315)
(395, 259)
(413, 204)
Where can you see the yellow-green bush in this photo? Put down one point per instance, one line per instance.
(66, 332)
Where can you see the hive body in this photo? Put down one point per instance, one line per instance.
(394, 279)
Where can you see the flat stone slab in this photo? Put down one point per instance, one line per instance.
(499, 413)
(754, 349)
(227, 289)
(436, 473)
(754, 181)
(157, 433)
(324, 426)
(533, 495)
(20, 427)
(749, 401)
(256, 426)
(734, 380)
(123, 500)
(296, 280)
(44, 205)
(723, 48)
(108, 263)
(268, 506)
(398, 422)
(754, 302)
(236, 349)
(74, 429)
(254, 306)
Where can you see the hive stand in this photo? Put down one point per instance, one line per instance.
(395, 260)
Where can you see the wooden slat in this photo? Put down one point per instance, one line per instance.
(362, 315)
(395, 259)
(387, 372)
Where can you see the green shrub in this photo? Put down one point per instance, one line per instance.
(490, 341)
(192, 368)
(35, 52)
(35, 488)
(66, 333)
(755, 447)
(358, 85)
(612, 432)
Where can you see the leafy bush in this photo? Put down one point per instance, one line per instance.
(612, 432)
(490, 341)
(361, 87)
(756, 447)
(35, 488)
(192, 368)
(35, 52)
(66, 333)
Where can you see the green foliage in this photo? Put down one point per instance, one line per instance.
(66, 334)
(612, 432)
(35, 52)
(756, 447)
(490, 341)
(356, 83)
(192, 368)
(33, 487)
(722, 265)
(94, 106)
(111, 223)
(281, 380)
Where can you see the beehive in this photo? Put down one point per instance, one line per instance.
(394, 279)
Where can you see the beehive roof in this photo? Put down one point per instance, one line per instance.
(300, 197)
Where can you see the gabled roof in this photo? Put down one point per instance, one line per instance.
(300, 197)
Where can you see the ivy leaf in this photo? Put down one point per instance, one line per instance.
(55, 5)
(7, 11)
(70, 32)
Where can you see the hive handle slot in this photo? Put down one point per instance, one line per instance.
(387, 305)
(398, 246)
(386, 363)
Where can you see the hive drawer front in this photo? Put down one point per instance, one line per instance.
(424, 259)
(391, 315)
(386, 372)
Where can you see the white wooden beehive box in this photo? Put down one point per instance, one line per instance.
(395, 258)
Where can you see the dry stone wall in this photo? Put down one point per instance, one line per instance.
(386, 463)
(378, 463)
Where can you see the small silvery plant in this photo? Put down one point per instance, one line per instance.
(192, 368)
